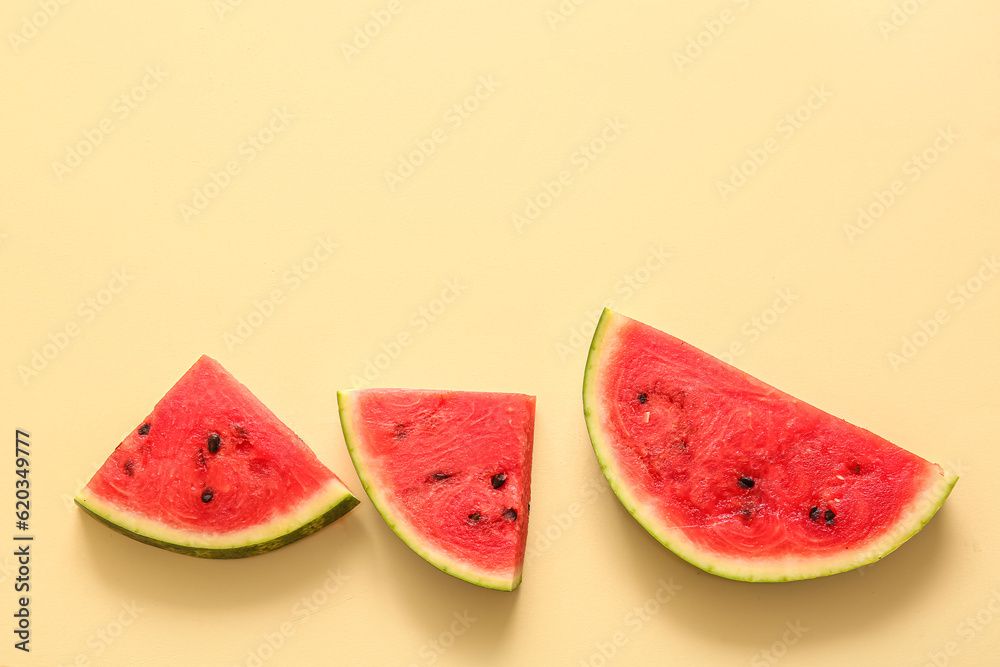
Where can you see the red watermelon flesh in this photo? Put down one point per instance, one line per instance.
(450, 472)
(212, 472)
(737, 476)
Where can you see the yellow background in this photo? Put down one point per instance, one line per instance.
(807, 111)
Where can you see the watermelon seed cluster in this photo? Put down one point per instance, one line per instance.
(130, 464)
(829, 516)
(214, 442)
(497, 482)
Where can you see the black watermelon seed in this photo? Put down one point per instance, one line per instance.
(438, 476)
(814, 514)
(400, 431)
(207, 495)
(510, 514)
(213, 442)
(144, 429)
(745, 482)
(498, 480)
(643, 398)
(474, 518)
(857, 470)
(829, 517)
(129, 467)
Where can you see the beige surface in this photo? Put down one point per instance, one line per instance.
(169, 171)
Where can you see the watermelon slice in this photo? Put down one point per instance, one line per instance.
(737, 477)
(211, 472)
(450, 472)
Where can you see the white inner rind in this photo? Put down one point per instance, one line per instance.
(913, 518)
(399, 522)
(333, 493)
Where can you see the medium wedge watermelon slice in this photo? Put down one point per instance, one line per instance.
(450, 472)
(211, 472)
(737, 477)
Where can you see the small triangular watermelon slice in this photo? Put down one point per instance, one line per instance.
(737, 477)
(211, 472)
(450, 472)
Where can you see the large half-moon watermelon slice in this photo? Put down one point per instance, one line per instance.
(737, 477)
(450, 472)
(211, 472)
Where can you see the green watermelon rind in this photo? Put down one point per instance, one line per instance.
(326, 507)
(921, 510)
(398, 523)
